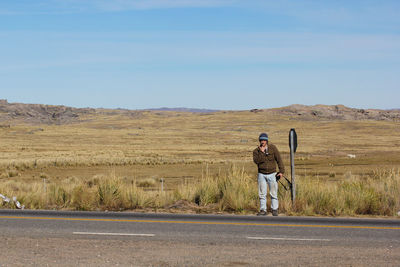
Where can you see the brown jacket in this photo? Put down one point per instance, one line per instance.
(267, 162)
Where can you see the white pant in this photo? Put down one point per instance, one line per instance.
(263, 180)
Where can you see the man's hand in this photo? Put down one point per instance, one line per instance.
(280, 175)
(262, 148)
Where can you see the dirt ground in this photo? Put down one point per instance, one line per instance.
(21, 251)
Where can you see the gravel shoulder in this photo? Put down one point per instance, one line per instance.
(26, 251)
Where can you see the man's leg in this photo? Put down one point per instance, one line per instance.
(262, 191)
(273, 190)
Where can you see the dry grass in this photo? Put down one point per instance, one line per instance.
(158, 138)
(235, 191)
(115, 162)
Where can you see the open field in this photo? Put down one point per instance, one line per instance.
(139, 148)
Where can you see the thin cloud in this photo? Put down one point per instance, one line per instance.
(121, 5)
(364, 16)
(60, 63)
(89, 6)
(208, 49)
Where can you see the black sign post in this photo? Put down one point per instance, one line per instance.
(293, 148)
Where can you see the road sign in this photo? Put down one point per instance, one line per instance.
(293, 148)
(293, 139)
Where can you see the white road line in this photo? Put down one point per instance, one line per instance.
(288, 239)
(112, 234)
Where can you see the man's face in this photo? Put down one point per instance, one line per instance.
(263, 142)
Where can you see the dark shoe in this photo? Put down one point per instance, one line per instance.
(262, 213)
(274, 212)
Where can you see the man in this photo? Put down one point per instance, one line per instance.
(266, 156)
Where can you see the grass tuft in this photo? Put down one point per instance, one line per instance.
(233, 191)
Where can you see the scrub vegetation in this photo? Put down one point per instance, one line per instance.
(235, 191)
(114, 160)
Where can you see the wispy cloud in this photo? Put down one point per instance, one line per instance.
(365, 14)
(118, 5)
(79, 6)
(212, 50)
(361, 16)
(61, 63)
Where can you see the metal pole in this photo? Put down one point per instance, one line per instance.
(162, 184)
(292, 167)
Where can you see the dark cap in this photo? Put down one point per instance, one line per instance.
(263, 136)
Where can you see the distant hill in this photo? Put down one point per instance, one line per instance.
(193, 110)
(37, 113)
(333, 112)
(52, 114)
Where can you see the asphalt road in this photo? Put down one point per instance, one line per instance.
(143, 239)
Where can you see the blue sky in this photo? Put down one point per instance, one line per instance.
(221, 54)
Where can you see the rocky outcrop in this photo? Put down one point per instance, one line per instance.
(50, 114)
(336, 112)
(36, 113)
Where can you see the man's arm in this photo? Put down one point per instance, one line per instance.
(279, 161)
(256, 157)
